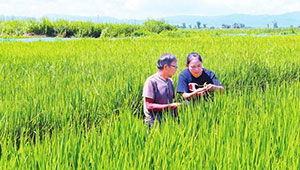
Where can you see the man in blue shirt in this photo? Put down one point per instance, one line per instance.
(195, 81)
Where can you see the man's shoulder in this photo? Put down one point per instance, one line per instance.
(149, 80)
(156, 78)
(185, 73)
(208, 72)
(152, 77)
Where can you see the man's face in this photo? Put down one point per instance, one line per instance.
(195, 67)
(171, 69)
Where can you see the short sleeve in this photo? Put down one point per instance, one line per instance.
(182, 84)
(214, 79)
(148, 90)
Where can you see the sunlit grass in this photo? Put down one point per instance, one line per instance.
(78, 105)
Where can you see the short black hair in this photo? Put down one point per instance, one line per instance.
(166, 58)
(193, 54)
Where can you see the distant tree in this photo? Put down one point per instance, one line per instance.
(225, 26)
(198, 24)
(204, 25)
(236, 25)
(190, 26)
(275, 25)
(158, 26)
(183, 26)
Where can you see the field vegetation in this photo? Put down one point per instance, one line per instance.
(78, 105)
(63, 28)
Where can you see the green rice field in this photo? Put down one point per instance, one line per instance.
(78, 105)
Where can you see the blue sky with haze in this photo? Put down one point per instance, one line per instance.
(143, 9)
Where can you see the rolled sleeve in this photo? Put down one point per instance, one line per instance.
(148, 90)
(215, 80)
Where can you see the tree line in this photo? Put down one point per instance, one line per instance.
(63, 28)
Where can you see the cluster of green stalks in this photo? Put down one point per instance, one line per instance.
(78, 105)
(63, 28)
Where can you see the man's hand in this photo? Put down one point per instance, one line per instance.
(201, 91)
(175, 105)
(212, 87)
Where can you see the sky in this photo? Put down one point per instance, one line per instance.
(145, 9)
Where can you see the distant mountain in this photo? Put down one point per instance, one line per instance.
(257, 21)
(6, 18)
(95, 19)
(283, 20)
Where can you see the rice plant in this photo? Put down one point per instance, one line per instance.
(78, 105)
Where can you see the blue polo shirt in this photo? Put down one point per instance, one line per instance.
(186, 77)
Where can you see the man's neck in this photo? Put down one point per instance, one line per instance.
(161, 73)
